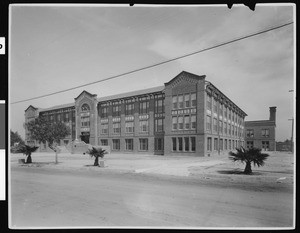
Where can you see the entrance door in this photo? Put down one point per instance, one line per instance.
(158, 146)
(85, 137)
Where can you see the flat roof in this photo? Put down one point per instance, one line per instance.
(57, 107)
(132, 93)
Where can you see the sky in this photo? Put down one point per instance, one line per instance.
(56, 47)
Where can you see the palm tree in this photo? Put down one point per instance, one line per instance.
(252, 155)
(96, 152)
(27, 150)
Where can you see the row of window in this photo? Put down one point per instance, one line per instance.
(129, 126)
(264, 133)
(184, 101)
(228, 128)
(129, 108)
(223, 110)
(143, 144)
(184, 122)
(222, 144)
(184, 144)
(264, 144)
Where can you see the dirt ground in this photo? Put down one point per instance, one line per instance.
(151, 191)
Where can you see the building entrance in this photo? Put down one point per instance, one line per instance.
(85, 136)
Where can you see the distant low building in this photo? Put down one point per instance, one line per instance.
(284, 146)
(261, 134)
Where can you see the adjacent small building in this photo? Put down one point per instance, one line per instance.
(186, 116)
(261, 134)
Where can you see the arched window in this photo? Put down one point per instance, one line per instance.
(85, 108)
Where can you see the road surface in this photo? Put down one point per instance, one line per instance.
(42, 197)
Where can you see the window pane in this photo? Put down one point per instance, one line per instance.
(187, 100)
(186, 143)
(179, 144)
(174, 144)
(193, 144)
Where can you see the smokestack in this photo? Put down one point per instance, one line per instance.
(272, 114)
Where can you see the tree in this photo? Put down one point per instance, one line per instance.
(44, 131)
(15, 138)
(252, 155)
(96, 152)
(27, 150)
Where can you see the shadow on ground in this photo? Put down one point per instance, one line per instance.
(37, 164)
(237, 172)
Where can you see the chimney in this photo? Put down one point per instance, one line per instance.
(272, 114)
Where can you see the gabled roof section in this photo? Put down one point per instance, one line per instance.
(89, 94)
(132, 93)
(186, 75)
(57, 107)
(30, 106)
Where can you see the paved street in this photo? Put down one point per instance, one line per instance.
(43, 197)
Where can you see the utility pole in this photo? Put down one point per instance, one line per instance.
(292, 143)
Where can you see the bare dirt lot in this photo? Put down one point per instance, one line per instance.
(151, 191)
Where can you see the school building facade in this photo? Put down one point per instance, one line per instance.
(186, 116)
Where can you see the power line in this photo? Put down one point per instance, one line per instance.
(160, 63)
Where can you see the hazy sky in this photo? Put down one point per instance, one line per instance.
(53, 48)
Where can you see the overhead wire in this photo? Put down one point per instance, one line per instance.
(159, 63)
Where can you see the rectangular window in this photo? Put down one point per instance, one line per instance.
(225, 144)
(116, 110)
(193, 100)
(180, 101)
(187, 100)
(220, 109)
(129, 109)
(85, 121)
(209, 144)
(229, 144)
(129, 127)
(174, 144)
(174, 101)
(159, 144)
(186, 144)
(66, 117)
(215, 144)
(159, 106)
(180, 146)
(208, 123)
(221, 144)
(116, 127)
(104, 128)
(193, 121)
(250, 133)
(215, 125)
(180, 122)
(174, 122)
(129, 144)
(144, 107)
(265, 145)
(144, 126)
(208, 102)
(116, 144)
(225, 128)
(249, 144)
(225, 112)
(215, 106)
(193, 144)
(187, 122)
(143, 144)
(104, 142)
(159, 125)
(104, 112)
(265, 132)
(220, 126)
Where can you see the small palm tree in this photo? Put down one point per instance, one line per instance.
(96, 152)
(27, 150)
(252, 155)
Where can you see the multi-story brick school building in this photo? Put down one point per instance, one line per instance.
(186, 116)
